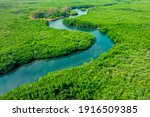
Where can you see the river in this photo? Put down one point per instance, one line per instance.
(31, 72)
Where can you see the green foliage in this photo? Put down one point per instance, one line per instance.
(24, 40)
(83, 9)
(121, 73)
(73, 12)
(74, 22)
(51, 13)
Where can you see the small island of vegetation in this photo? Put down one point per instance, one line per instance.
(73, 13)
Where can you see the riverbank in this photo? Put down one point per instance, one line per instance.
(98, 47)
(26, 40)
(47, 19)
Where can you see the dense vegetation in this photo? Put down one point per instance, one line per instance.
(73, 12)
(24, 40)
(121, 73)
(51, 13)
(83, 9)
(78, 23)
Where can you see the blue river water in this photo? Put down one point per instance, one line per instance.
(31, 72)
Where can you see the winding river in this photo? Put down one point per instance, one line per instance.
(33, 71)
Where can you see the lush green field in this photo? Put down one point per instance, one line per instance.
(121, 73)
(24, 40)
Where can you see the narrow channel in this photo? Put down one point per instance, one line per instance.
(31, 72)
